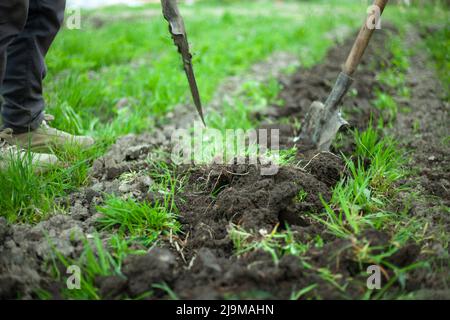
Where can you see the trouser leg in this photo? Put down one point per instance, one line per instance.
(13, 16)
(23, 109)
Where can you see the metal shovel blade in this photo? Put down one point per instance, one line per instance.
(178, 31)
(323, 121)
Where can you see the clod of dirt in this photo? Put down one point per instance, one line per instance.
(200, 262)
(327, 167)
(140, 272)
(129, 154)
(24, 249)
(247, 199)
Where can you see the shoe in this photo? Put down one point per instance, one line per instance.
(9, 153)
(46, 139)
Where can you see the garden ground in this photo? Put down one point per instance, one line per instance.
(140, 227)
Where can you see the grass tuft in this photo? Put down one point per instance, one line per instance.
(138, 220)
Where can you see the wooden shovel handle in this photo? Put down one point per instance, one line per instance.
(361, 42)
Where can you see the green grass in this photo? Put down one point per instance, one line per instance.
(274, 242)
(301, 196)
(137, 61)
(438, 44)
(138, 65)
(385, 158)
(22, 191)
(387, 105)
(95, 261)
(145, 221)
(363, 200)
(359, 201)
(394, 77)
(139, 220)
(300, 293)
(133, 61)
(26, 196)
(237, 111)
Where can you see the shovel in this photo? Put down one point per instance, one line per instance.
(178, 31)
(323, 121)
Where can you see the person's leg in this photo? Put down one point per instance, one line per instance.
(13, 16)
(23, 108)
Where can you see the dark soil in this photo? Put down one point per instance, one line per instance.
(316, 83)
(423, 131)
(201, 262)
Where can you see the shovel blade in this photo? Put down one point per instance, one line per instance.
(319, 133)
(323, 121)
(328, 131)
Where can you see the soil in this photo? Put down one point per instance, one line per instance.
(422, 131)
(315, 84)
(200, 262)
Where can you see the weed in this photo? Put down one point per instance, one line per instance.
(301, 196)
(385, 102)
(145, 221)
(94, 261)
(275, 243)
(287, 156)
(165, 287)
(83, 88)
(139, 220)
(358, 202)
(22, 192)
(438, 44)
(262, 94)
(300, 293)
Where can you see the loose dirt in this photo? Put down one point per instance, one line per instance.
(201, 261)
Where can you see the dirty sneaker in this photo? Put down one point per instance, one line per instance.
(47, 139)
(41, 162)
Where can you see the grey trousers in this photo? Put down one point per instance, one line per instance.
(27, 29)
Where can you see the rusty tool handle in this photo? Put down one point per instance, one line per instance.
(362, 41)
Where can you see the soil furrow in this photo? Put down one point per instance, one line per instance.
(220, 203)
